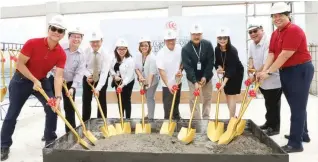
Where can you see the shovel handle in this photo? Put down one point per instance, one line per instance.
(121, 111)
(142, 105)
(2, 69)
(98, 105)
(192, 113)
(60, 115)
(178, 79)
(74, 107)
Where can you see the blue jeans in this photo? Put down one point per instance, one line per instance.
(296, 82)
(20, 89)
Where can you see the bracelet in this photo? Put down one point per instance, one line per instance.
(58, 97)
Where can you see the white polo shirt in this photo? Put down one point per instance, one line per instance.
(169, 61)
(259, 52)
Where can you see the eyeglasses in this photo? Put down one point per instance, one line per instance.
(54, 29)
(121, 49)
(224, 38)
(253, 31)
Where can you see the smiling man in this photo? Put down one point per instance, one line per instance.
(38, 56)
(271, 87)
(289, 53)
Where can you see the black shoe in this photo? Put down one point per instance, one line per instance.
(43, 139)
(264, 126)
(4, 153)
(290, 149)
(48, 142)
(271, 132)
(305, 139)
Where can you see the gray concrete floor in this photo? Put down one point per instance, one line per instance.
(27, 145)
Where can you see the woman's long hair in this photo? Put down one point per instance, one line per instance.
(118, 57)
(227, 46)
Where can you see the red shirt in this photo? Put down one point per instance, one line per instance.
(41, 58)
(291, 38)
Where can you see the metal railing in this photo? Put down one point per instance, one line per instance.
(313, 49)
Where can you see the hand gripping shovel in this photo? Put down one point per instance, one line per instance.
(169, 127)
(186, 135)
(241, 125)
(51, 102)
(88, 134)
(142, 128)
(3, 87)
(231, 131)
(216, 128)
(122, 127)
(109, 130)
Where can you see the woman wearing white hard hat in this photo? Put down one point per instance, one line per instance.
(227, 62)
(123, 72)
(288, 53)
(147, 73)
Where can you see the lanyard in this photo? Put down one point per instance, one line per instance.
(198, 55)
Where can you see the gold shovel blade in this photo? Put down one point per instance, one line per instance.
(214, 133)
(109, 131)
(89, 135)
(83, 143)
(126, 129)
(229, 134)
(168, 128)
(185, 135)
(140, 130)
(240, 127)
(3, 93)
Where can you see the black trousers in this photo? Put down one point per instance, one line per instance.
(167, 102)
(126, 99)
(87, 97)
(272, 103)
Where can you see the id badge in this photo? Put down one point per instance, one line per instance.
(199, 66)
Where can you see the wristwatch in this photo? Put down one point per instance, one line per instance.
(58, 97)
(268, 72)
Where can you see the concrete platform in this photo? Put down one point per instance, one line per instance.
(27, 145)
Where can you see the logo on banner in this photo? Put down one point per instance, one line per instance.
(171, 25)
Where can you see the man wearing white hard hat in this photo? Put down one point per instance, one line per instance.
(198, 61)
(288, 53)
(147, 72)
(270, 88)
(122, 70)
(168, 61)
(96, 73)
(38, 56)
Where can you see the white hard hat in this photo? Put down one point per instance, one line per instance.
(224, 31)
(75, 30)
(196, 29)
(121, 43)
(170, 34)
(96, 36)
(144, 39)
(58, 21)
(254, 26)
(280, 7)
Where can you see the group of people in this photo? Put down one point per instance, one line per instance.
(281, 62)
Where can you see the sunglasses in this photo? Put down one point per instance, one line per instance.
(224, 38)
(253, 31)
(54, 29)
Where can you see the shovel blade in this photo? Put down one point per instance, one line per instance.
(3, 93)
(185, 135)
(89, 135)
(240, 127)
(109, 131)
(229, 134)
(126, 129)
(143, 130)
(168, 128)
(214, 133)
(83, 143)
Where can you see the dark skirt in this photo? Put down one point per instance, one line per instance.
(234, 84)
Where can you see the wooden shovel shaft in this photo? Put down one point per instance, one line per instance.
(60, 115)
(192, 113)
(121, 111)
(74, 107)
(98, 105)
(244, 99)
(173, 101)
(143, 111)
(217, 109)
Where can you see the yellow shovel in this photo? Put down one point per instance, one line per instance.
(142, 128)
(106, 130)
(122, 127)
(79, 140)
(241, 125)
(88, 134)
(186, 135)
(169, 127)
(231, 131)
(216, 128)
(4, 87)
